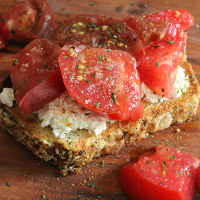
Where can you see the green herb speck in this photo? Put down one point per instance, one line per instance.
(158, 64)
(103, 162)
(96, 105)
(15, 62)
(113, 97)
(92, 184)
(148, 162)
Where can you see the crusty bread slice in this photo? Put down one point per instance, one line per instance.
(79, 147)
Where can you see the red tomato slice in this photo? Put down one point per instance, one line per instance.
(28, 21)
(102, 80)
(2, 43)
(153, 27)
(158, 68)
(98, 31)
(147, 29)
(166, 174)
(36, 76)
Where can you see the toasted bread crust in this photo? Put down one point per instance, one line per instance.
(71, 155)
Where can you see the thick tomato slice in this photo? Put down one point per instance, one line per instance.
(166, 174)
(98, 31)
(36, 75)
(103, 80)
(153, 27)
(28, 21)
(147, 29)
(2, 43)
(158, 68)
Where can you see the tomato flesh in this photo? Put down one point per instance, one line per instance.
(147, 29)
(36, 76)
(159, 72)
(28, 21)
(103, 80)
(168, 23)
(166, 173)
(98, 31)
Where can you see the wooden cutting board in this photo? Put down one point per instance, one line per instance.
(23, 176)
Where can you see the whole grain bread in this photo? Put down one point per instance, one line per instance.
(79, 147)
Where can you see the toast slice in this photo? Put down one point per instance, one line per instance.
(79, 147)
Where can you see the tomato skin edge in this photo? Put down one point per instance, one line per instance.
(138, 185)
(48, 88)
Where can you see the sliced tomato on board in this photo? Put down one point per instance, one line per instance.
(168, 173)
(168, 23)
(103, 80)
(28, 21)
(98, 31)
(158, 68)
(36, 75)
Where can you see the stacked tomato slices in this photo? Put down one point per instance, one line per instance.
(99, 60)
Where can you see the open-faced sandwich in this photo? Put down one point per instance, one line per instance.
(99, 85)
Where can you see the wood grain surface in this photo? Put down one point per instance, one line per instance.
(23, 176)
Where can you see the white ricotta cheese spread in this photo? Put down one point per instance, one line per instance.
(7, 97)
(65, 114)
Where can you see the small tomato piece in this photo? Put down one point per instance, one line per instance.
(168, 172)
